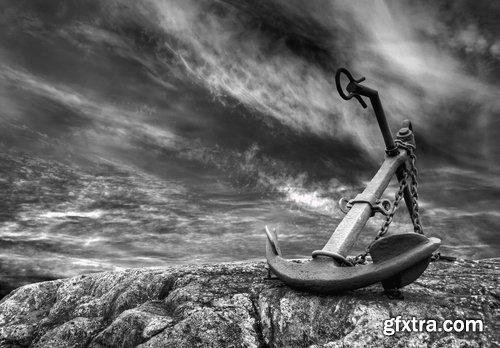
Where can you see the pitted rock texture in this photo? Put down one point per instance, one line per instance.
(233, 305)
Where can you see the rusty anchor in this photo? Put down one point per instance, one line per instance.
(398, 259)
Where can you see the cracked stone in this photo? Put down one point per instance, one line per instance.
(232, 305)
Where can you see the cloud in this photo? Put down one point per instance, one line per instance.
(232, 56)
(417, 79)
(107, 120)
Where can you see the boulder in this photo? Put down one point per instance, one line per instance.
(234, 305)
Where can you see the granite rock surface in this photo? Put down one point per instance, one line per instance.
(234, 305)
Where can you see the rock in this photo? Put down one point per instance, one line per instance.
(233, 305)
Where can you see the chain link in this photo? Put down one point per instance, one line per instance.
(408, 174)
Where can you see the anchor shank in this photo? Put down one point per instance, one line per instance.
(348, 230)
(391, 149)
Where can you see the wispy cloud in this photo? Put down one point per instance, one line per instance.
(417, 78)
(234, 58)
(123, 125)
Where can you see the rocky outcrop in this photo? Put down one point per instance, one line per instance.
(233, 305)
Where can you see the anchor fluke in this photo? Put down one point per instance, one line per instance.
(272, 241)
(402, 244)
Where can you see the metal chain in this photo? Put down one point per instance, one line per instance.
(410, 148)
(408, 174)
(417, 226)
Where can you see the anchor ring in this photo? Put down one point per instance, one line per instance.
(351, 87)
(333, 255)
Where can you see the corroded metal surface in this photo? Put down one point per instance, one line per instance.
(350, 227)
(398, 259)
(395, 257)
(323, 276)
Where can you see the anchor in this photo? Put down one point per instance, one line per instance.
(398, 259)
